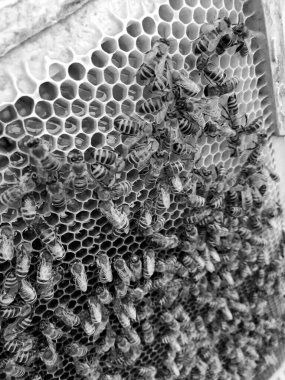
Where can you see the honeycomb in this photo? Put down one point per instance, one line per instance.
(185, 325)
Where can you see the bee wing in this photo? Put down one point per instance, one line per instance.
(160, 116)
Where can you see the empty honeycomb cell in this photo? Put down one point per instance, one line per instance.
(184, 46)
(24, 106)
(199, 15)
(88, 242)
(88, 125)
(96, 109)
(105, 124)
(178, 30)
(113, 139)
(95, 76)
(143, 43)
(68, 89)
(57, 72)
(85, 91)
(135, 59)
(148, 25)
(7, 113)
(15, 129)
(112, 109)
(132, 175)
(126, 43)
(111, 75)
(43, 109)
(48, 91)
(61, 107)
(71, 125)
(177, 61)
(98, 140)
(67, 237)
(64, 142)
(99, 58)
(81, 141)
(119, 92)
(76, 71)
(90, 205)
(165, 12)
(4, 162)
(34, 126)
(192, 31)
(78, 108)
(127, 75)
(103, 93)
(54, 126)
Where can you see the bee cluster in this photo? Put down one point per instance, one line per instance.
(140, 236)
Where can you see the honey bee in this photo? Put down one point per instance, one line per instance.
(86, 324)
(158, 105)
(6, 243)
(76, 350)
(95, 309)
(50, 357)
(14, 311)
(219, 90)
(118, 219)
(123, 270)
(14, 370)
(105, 156)
(165, 242)
(136, 267)
(44, 273)
(141, 154)
(23, 260)
(14, 329)
(23, 342)
(57, 194)
(80, 278)
(253, 127)
(102, 174)
(148, 263)
(148, 335)
(121, 289)
(210, 70)
(132, 336)
(209, 33)
(50, 331)
(79, 178)
(123, 318)
(225, 42)
(67, 316)
(184, 85)
(123, 344)
(28, 208)
(105, 273)
(27, 291)
(104, 295)
(9, 289)
(122, 189)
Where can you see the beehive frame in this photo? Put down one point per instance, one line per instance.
(76, 106)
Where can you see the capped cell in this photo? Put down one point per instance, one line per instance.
(184, 46)
(165, 12)
(68, 89)
(111, 75)
(61, 107)
(76, 71)
(24, 106)
(164, 29)
(185, 15)
(43, 109)
(134, 28)
(96, 109)
(192, 31)
(72, 125)
(178, 29)
(78, 107)
(54, 125)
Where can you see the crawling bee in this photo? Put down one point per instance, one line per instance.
(105, 156)
(118, 218)
(184, 85)
(225, 42)
(165, 242)
(67, 316)
(23, 259)
(104, 295)
(123, 271)
(95, 309)
(148, 334)
(44, 272)
(210, 70)
(79, 178)
(9, 289)
(6, 243)
(14, 311)
(57, 194)
(157, 105)
(148, 263)
(27, 292)
(142, 153)
(78, 271)
(28, 208)
(214, 129)
(76, 350)
(121, 189)
(105, 272)
(102, 174)
(14, 329)
(50, 331)
(253, 127)
(135, 266)
(218, 90)
(50, 357)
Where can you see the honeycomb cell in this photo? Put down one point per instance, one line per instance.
(99, 58)
(103, 93)
(105, 124)
(48, 91)
(178, 30)
(109, 45)
(96, 109)
(119, 92)
(57, 72)
(134, 28)
(4, 162)
(134, 92)
(88, 125)
(218, 3)
(190, 62)
(78, 108)
(148, 25)
(127, 107)
(85, 91)
(112, 109)
(127, 75)
(98, 140)
(177, 61)
(173, 46)
(95, 76)
(64, 142)
(212, 15)
(68, 89)
(7, 145)
(81, 141)
(165, 13)
(113, 139)
(61, 107)
(143, 43)
(19, 159)
(24, 106)
(199, 15)
(126, 43)
(119, 59)
(238, 5)
(185, 15)
(15, 129)
(34, 126)
(192, 31)
(135, 59)
(43, 109)
(76, 71)
(7, 113)
(71, 125)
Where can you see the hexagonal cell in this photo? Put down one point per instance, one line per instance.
(190, 62)
(64, 142)
(177, 61)
(127, 75)
(57, 71)
(19, 160)
(119, 92)
(105, 124)
(54, 126)
(24, 106)
(76, 71)
(99, 58)
(4, 162)
(7, 113)
(192, 31)
(95, 76)
(111, 74)
(88, 125)
(143, 43)
(103, 93)
(135, 59)
(112, 109)
(72, 125)
(43, 109)
(164, 29)
(109, 45)
(48, 91)
(113, 139)
(34, 126)
(68, 89)
(98, 140)
(184, 46)
(148, 25)
(119, 59)
(96, 109)
(178, 30)
(7, 145)
(126, 43)
(15, 129)
(61, 107)
(81, 141)
(165, 13)
(185, 15)
(199, 15)
(127, 107)
(135, 92)
(78, 108)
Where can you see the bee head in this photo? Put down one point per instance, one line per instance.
(75, 156)
(33, 143)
